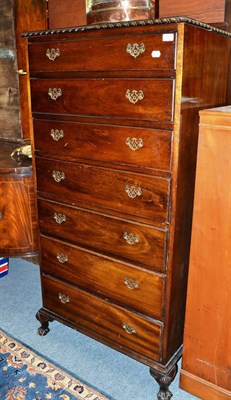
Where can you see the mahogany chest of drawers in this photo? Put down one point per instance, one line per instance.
(115, 113)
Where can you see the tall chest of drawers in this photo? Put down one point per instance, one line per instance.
(115, 115)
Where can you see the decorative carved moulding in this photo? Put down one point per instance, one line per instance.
(121, 10)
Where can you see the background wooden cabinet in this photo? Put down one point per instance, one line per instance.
(18, 220)
(207, 11)
(207, 348)
(16, 17)
(73, 12)
(66, 13)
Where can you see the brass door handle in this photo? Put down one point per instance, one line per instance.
(24, 150)
(21, 72)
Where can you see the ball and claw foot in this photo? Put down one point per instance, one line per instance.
(166, 395)
(43, 331)
(164, 380)
(44, 321)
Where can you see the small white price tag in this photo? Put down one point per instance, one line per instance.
(168, 37)
(156, 54)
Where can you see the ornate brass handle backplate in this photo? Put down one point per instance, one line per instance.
(54, 93)
(62, 258)
(130, 238)
(129, 329)
(64, 298)
(60, 218)
(135, 49)
(131, 284)
(56, 134)
(133, 191)
(134, 95)
(134, 143)
(52, 54)
(58, 176)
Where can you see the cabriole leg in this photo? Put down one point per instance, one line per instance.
(44, 320)
(164, 380)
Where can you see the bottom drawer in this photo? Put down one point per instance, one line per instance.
(111, 322)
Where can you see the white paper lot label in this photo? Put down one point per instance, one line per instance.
(156, 54)
(168, 37)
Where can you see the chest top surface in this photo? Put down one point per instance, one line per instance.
(147, 24)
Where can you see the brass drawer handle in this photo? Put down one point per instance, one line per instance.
(56, 134)
(52, 54)
(135, 49)
(134, 95)
(129, 329)
(64, 298)
(62, 258)
(1, 215)
(54, 93)
(133, 191)
(60, 218)
(130, 238)
(58, 176)
(131, 284)
(21, 72)
(134, 143)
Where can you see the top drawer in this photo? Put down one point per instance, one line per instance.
(144, 52)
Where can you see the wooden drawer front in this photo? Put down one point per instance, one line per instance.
(148, 148)
(80, 184)
(141, 244)
(105, 97)
(109, 321)
(117, 53)
(129, 286)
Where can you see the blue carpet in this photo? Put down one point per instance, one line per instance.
(112, 373)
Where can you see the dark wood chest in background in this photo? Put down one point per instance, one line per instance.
(115, 113)
(18, 219)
